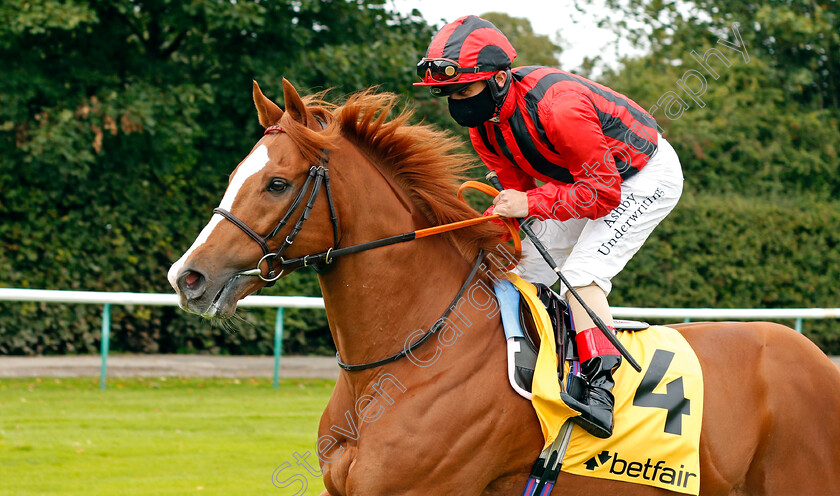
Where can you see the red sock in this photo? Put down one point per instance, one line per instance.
(592, 343)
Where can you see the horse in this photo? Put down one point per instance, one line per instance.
(423, 408)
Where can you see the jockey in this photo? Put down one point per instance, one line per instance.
(585, 163)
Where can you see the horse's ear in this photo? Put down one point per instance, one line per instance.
(268, 111)
(294, 104)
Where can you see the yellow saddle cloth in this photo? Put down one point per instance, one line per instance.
(658, 412)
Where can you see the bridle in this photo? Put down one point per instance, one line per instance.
(319, 177)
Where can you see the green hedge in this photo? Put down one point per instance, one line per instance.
(121, 232)
(119, 125)
(720, 252)
(738, 252)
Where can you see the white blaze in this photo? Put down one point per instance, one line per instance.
(254, 163)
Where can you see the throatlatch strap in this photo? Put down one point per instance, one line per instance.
(432, 330)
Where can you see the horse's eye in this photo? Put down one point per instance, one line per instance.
(277, 185)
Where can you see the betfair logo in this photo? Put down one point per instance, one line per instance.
(597, 460)
(647, 471)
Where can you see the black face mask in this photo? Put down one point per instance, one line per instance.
(473, 111)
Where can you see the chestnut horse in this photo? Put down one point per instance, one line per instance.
(444, 420)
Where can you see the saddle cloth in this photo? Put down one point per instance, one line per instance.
(658, 412)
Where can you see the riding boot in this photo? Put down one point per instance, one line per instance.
(599, 358)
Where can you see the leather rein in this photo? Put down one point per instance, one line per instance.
(319, 177)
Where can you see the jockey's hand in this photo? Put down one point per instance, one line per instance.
(505, 234)
(511, 203)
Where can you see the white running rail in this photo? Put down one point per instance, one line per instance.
(106, 299)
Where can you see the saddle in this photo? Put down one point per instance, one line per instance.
(522, 333)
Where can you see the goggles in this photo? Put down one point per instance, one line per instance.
(442, 70)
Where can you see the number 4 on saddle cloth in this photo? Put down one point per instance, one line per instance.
(658, 412)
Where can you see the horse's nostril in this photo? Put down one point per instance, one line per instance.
(192, 284)
(193, 279)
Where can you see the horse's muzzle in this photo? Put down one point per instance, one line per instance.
(209, 297)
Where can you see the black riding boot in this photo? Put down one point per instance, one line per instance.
(596, 405)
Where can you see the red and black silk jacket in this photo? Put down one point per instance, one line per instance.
(580, 138)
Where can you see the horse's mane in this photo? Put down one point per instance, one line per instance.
(424, 161)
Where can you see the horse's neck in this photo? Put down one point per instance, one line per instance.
(376, 299)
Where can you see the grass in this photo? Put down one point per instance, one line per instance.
(161, 436)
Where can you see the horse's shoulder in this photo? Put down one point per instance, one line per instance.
(335, 451)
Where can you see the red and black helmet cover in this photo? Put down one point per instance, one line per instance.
(471, 42)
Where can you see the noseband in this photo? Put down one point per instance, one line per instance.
(318, 176)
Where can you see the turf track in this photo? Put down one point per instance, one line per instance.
(157, 436)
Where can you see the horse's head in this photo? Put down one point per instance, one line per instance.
(260, 220)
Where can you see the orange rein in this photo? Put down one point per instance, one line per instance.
(489, 190)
